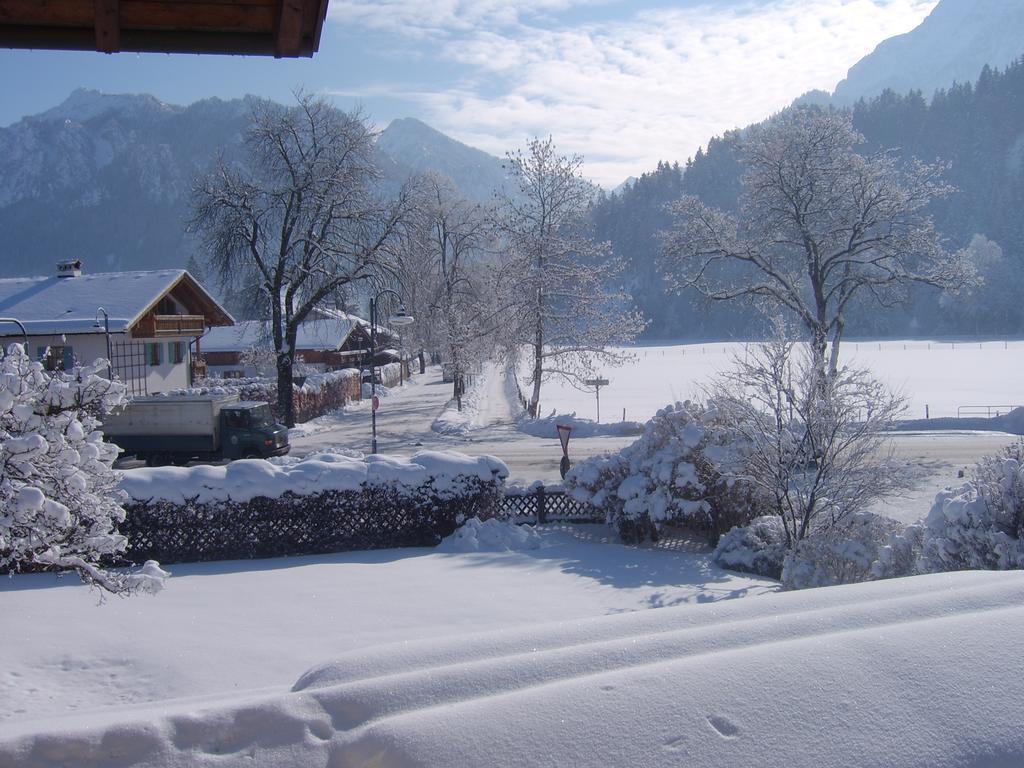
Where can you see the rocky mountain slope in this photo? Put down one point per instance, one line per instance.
(107, 178)
(953, 44)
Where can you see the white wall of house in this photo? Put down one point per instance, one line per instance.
(86, 347)
(166, 374)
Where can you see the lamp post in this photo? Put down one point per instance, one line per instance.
(399, 319)
(17, 322)
(106, 330)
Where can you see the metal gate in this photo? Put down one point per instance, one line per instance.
(128, 361)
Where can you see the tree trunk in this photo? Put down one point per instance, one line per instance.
(285, 393)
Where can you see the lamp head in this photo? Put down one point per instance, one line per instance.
(401, 318)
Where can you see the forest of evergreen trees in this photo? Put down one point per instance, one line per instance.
(977, 129)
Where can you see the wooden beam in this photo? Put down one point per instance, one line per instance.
(288, 30)
(108, 26)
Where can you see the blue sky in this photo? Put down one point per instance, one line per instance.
(622, 83)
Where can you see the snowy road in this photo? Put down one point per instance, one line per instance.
(405, 417)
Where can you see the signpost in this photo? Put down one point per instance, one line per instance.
(563, 437)
(597, 384)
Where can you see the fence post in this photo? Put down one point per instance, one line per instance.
(542, 512)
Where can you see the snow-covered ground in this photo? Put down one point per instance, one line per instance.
(944, 375)
(514, 659)
(232, 630)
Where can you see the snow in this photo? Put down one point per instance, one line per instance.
(941, 374)
(906, 672)
(246, 479)
(492, 535)
(49, 305)
(231, 631)
(320, 334)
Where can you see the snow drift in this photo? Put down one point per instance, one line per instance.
(906, 672)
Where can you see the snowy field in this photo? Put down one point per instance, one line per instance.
(231, 630)
(414, 658)
(944, 375)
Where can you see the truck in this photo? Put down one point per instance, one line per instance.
(179, 429)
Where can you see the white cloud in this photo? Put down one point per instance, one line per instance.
(628, 92)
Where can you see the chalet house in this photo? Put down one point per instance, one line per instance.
(148, 324)
(329, 342)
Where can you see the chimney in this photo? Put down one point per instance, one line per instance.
(69, 268)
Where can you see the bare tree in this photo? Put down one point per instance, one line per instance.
(558, 285)
(819, 224)
(816, 443)
(300, 221)
(446, 277)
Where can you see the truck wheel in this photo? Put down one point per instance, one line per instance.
(251, 454)
(158, 460)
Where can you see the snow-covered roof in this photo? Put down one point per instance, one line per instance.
(51, 305)
(322, 334)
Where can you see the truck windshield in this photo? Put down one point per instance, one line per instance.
(260, 416)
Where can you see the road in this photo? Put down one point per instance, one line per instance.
(404, 419)
(403, 427)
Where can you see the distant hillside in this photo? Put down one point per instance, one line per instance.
(107, 178)
(952, 44)
(978, 129)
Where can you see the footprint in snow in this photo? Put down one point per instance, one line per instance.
(725, 727)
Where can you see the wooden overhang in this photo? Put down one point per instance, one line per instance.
(279, 28)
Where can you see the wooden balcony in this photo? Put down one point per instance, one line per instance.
(170, 325)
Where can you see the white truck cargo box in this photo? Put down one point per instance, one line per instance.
(170, 415)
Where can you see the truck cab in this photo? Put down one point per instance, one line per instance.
(248, 431)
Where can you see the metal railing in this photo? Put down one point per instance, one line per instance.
(983, 411)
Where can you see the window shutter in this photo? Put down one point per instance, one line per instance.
(69, 358)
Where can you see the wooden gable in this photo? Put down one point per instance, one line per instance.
(279, 28)
(184, 309)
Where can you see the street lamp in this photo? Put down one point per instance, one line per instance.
(399, 319)
(106, 330)
(21, 325)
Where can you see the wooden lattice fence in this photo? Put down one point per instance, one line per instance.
(544, 505)
(377, 517)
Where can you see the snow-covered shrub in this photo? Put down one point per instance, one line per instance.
(683, 469)
(58, 505)
(492, 535)
(328, 502)
(899, 555)
(979, 525)
(839, 554)
(759, 547)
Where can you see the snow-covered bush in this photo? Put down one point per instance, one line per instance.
(58, 505)
(327, 502)
(683, 469)
(979, 525)
(759, 547)
(844, 553)
(492, 535)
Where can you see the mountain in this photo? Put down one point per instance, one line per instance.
(953, 44)
(107, 177)
(975, 128)
(412, 146)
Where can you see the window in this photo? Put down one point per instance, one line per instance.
(56, 357)
(153, 356)
(175, 352)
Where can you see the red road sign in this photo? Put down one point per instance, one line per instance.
(376, 402)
